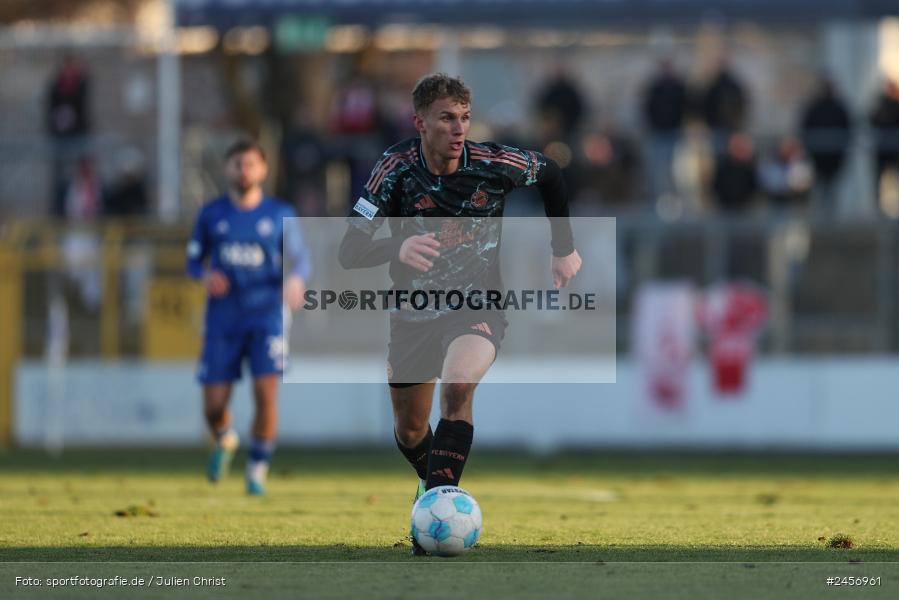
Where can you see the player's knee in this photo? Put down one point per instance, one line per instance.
(458, 394)
(215, 413)
(410, 433)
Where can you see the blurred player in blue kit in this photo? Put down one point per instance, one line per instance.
(236, 250)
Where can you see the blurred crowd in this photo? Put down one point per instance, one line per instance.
(79, 191)
(694, 153)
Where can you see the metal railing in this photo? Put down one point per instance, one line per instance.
(832, 286)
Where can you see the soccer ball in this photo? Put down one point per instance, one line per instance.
(446, 521)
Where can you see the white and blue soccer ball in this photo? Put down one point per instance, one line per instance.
(446, 521)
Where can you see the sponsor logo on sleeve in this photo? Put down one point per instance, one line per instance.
(365, 208)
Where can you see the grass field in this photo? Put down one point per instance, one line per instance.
(679, 522)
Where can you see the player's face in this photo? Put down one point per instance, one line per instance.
(443, 127)
(246, 170)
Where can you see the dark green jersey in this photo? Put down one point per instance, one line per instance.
(463, 209)
(402, 186)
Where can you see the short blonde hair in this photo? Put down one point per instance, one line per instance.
(436, 86)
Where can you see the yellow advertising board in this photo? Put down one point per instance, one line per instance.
(173, 322)
(10, 337)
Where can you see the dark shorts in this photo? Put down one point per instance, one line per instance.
(417, 349)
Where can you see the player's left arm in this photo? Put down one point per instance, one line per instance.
(299, 261)
(545, 174)
(198, 247)
(358, 248)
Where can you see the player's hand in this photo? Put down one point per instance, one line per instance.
(217, 284)
(565, 268)
(294, 290)
(417, 251)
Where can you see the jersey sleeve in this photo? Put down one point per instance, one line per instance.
(198, 246)
(377, 200)
(299, 261)
(521, 167)
(527, 168)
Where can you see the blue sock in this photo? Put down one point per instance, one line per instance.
(261, 450)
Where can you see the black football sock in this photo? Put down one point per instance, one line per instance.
(418, 456)
(449, 451)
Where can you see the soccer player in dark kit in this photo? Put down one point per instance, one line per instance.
(443, 176)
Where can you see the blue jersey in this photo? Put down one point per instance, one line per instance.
(246, 245)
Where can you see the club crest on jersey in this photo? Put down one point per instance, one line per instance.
(479, 199)
(365, 208)
(265, 226)
(222, 227)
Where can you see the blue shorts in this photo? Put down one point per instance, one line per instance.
(259, 339)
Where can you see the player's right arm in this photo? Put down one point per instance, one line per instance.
(379, 200)
(198, 248)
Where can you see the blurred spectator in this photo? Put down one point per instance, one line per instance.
(826, 131)
(127, 195)
(67, 114)
(724, 106)
(664, 106)
(787, 177)
(610, 169)
(735, 180)
(396, 114)
(67, 122)
(885, 120)
(81, 248)
(561, 106)
(355, 108)
(304, 156)
(84, 194)
(356, 120)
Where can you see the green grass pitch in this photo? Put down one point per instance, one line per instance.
(562, 524)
